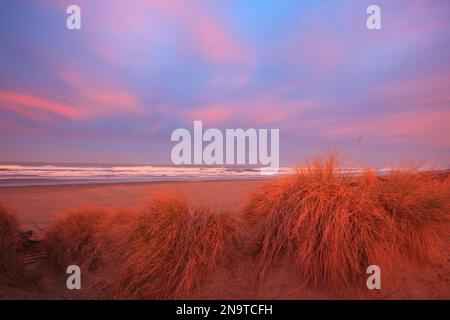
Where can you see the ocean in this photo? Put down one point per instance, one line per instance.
(59, 174)
(32, 174)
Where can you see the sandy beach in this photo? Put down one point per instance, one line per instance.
(39, 205)
(36, 208)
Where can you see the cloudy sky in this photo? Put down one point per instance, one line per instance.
(115, 90)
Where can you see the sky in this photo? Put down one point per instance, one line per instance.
(114, 91)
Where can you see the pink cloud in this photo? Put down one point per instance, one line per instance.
(29, 105)
(419, 113)
(416, 126)
(261, 111)
(215, 43)
(424, 89)
(209, 33)
(429, 127)
(322, 48)
(87, 100)
(238, 80)
(424, 20)
(142, 23)
(211, 115)
(102, 95)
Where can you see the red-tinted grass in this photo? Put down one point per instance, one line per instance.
(11, 258)
(70, 239)
(163, 251)
(332, 226)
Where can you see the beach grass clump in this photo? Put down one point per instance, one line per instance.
(331, 226)
(166, 250)
(419, 205)
(71, 238)
(11, 257)
(162, 251)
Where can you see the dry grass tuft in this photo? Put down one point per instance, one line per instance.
(163, 251)
(332, 226)
(326, 223)
(70, 239)
(169, 249)
(11, 259)
(419, 205)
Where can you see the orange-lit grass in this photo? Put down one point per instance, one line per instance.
(70, 239)
(11, 258)
(419, 205)
(169, 249)
(329, 225)
(163, 251)
(332, 226)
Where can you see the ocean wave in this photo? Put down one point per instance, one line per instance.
(50, 174)
(12, 174)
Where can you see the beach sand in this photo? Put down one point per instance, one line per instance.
(39, 205)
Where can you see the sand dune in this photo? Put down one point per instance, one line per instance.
(295, 238)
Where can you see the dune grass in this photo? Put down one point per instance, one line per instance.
(70, 240)
(419, 205)
(163, 251)
(11, 259)
(332, 226)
